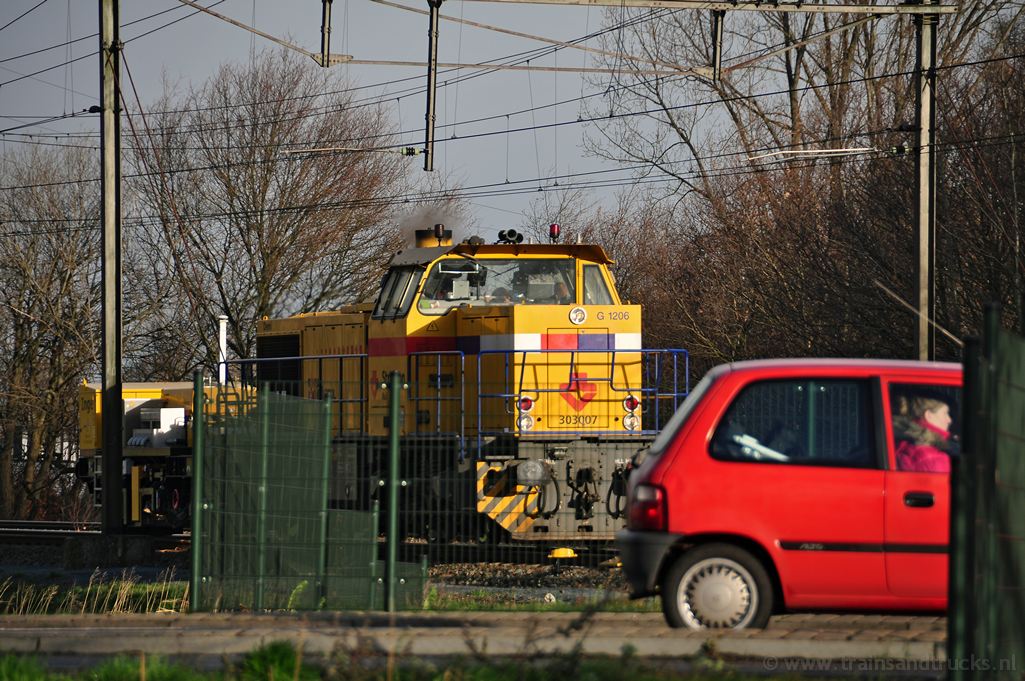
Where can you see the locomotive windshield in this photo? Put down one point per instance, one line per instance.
(464, 281)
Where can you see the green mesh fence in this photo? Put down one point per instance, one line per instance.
(482, 503)
(986, 638)
(269, 537)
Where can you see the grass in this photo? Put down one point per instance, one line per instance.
(282, 662)
(124, 594)
(127, 594)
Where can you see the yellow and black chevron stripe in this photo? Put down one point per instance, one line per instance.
(511, 506)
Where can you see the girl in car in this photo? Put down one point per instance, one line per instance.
(923, 436)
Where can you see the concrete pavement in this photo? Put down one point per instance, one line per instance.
(840, 639)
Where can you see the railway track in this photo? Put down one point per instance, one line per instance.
(43, 532)
(523, 554)
(54, 533)
(48, 525)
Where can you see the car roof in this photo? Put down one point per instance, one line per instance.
(860, 365)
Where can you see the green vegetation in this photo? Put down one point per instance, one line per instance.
(128, 594)
(124, 594)
(13, 668)
(283, 662)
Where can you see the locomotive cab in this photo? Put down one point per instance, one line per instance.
(481, 330)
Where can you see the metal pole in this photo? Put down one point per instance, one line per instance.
(394, 425)
(110, 160)
(222, 349)
(198, 424)
(925, 168)
(325, 34)
(325, 476)
(718, 16)
(261, 492)
(432, 81)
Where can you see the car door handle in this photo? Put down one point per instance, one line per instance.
(918, 499)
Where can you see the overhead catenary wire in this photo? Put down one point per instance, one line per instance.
(23, 15)
(747, 62)
(528, 186)
(528, 36)
(377, 102)
(91, 35)
(737, 98)
(224, 166)
(418, 90)
(43, 143)
(556, 104)
(94, 53)
(971, 63)
(507, 181)
(646, 112)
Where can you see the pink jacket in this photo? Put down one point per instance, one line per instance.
(923, 456)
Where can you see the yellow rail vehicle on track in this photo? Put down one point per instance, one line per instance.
(528, 388)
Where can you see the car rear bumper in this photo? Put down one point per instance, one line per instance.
(642, 554)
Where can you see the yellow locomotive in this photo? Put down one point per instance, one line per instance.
(527, 393)
(526, 384)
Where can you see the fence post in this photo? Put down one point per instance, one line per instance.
(962, 589)
(394, 425)
(375, 516)
(987, 492)
(198, 424)
(325, 475)
(261, 515)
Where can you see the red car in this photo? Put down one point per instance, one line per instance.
(797, 485)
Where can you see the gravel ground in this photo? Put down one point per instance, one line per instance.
(511, 575)
(44, 565)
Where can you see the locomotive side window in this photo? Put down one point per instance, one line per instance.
(595, 290)
(398, 292)
(454, 282)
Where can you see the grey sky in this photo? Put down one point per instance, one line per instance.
(191, 50)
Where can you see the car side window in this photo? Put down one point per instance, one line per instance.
(811, 422)
(925, 421)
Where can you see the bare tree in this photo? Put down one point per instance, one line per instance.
(49, 238)
(239, 218)
(570, 209)
(767, 257)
